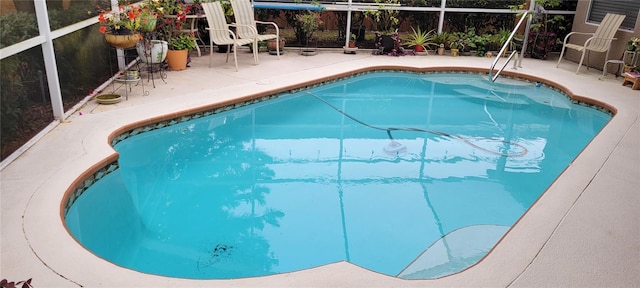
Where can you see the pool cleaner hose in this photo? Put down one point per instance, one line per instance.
(463, 139)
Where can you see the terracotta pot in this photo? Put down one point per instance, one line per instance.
(177, 59)
(418, 48)
(122, 41)
(271, 44)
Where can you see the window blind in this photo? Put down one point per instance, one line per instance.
(627, 7)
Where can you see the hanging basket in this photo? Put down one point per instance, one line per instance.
(122, 41)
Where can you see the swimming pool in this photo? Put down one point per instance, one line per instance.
(329, 180)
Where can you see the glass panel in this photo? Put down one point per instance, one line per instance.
(17, 22)
(484, 4)
(424, 3)
(66, 12)
(426, 21)
(483, 23)
(566, 6)
(82, 68)
(24, 94)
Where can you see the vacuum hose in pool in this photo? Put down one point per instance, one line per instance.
(463, 139)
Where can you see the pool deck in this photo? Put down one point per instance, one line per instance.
(583, 232)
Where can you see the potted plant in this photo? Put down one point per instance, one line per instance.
(493, 43)
(179, 47)
(309, 22)
(440, 40)
(149, 15)
(171, 28)
(393, 42)
(481, 42)
(633, 44)
(172, 15)
(419, 40)
(501, 38)
(455, 46)
(150, 49)
(121, 28)
(352, 40)
(465, 41)
(351, 48)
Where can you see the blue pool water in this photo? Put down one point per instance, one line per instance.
(410, 175)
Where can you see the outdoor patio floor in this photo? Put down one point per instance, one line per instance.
(583, 232)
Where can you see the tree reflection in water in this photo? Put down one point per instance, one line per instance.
(206, 171)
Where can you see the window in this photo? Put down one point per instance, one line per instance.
(599, 8)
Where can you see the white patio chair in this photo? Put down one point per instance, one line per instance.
(600, 40)
(220, 34)
(244, 15)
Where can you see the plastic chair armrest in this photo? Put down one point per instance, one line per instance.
(254, 31)
(269, 23)
(566, 38)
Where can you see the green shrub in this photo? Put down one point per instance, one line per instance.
(12, 97)
(17, 27)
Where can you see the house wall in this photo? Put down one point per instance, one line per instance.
(597, 59)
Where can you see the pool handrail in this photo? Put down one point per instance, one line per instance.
(506, 44)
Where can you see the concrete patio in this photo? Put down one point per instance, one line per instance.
(583, 232)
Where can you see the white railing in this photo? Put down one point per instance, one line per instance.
(507, 43)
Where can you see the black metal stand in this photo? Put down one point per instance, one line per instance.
(127, 77)
(150, 67)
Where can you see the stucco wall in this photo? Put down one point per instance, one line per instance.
(597, 59)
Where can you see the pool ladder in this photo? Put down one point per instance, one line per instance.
(518, 62)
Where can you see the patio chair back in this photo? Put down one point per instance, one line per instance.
(220, 34)
(244, 16)
(605, 33)
(600, 41)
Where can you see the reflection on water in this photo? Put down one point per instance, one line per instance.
(303, 181)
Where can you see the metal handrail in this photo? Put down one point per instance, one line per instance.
(518, 62)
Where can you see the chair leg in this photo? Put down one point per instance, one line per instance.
(235, 57)
(604, 70)
(255, 55)
(581, 60)
(255, 50)
(278, 43)
(560, 59)
(197, 47)
(588, 54)
(606, 55)
(211, 53)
